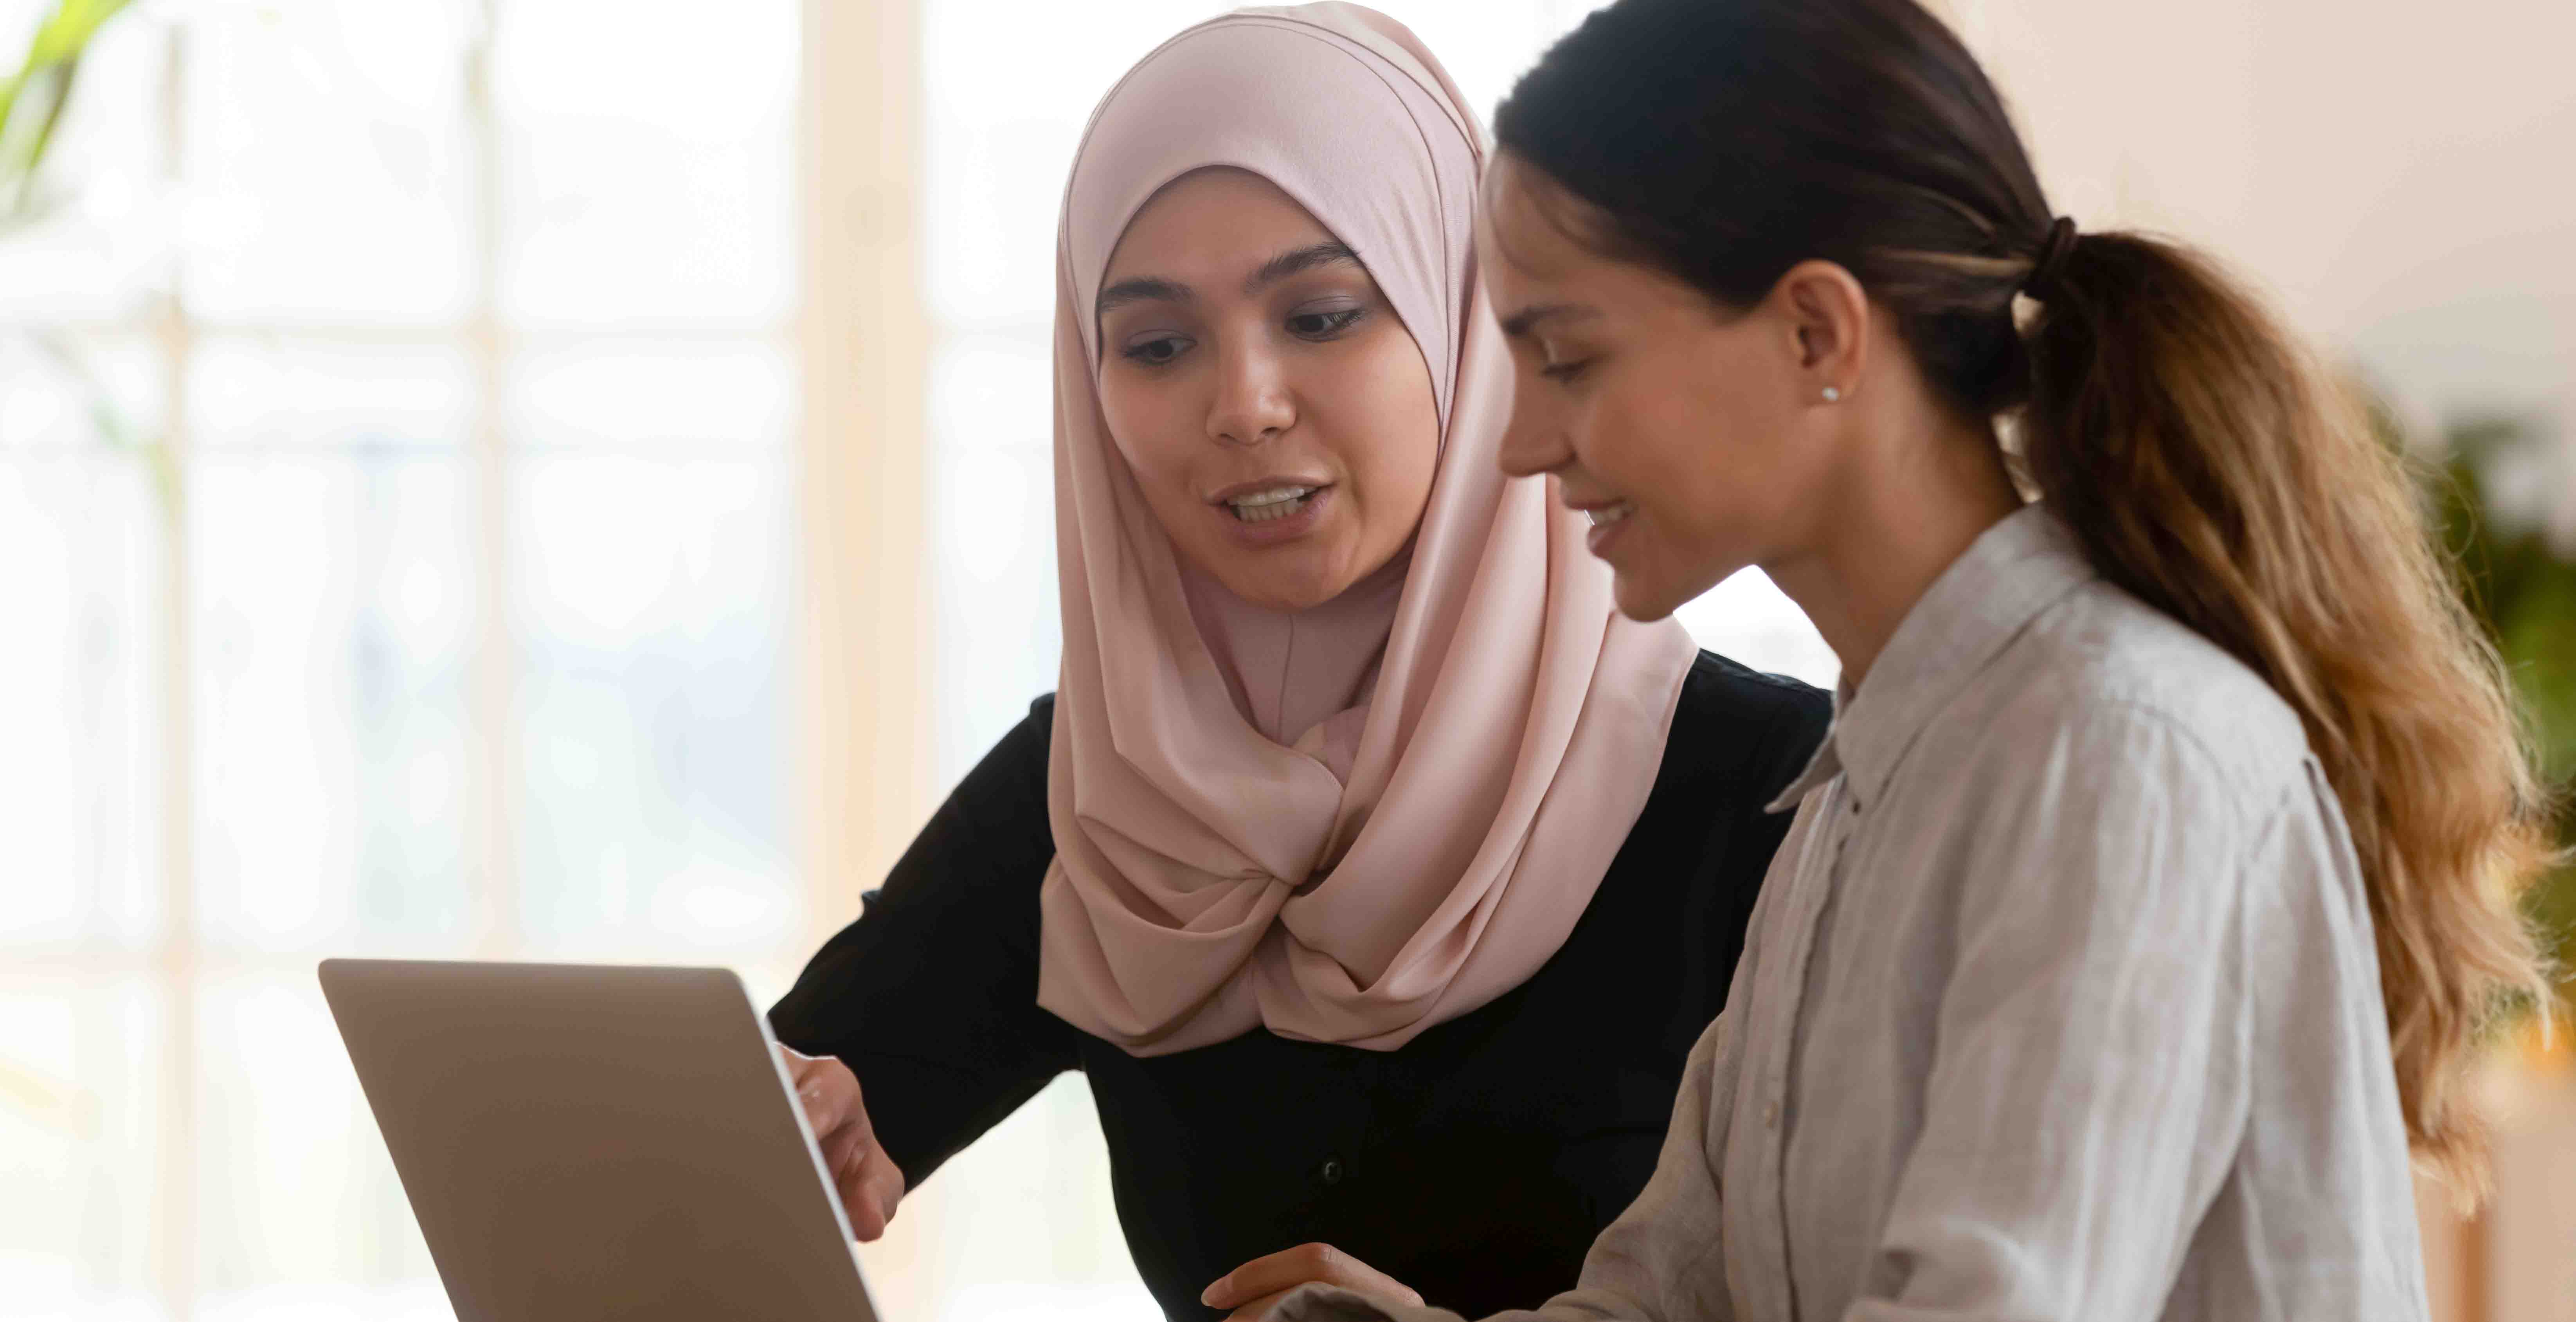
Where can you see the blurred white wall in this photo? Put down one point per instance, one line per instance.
(2396, 175)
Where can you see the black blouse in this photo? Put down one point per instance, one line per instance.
(1476, 1163)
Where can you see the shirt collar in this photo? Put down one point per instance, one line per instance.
(1822, 765)
(2012, 572)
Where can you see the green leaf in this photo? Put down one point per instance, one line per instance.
(67, 32)
(52, 60)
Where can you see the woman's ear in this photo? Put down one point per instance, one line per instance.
(1827, 316)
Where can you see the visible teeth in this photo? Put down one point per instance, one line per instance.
(1609, 514)
(1275, 503)
(1265, 513)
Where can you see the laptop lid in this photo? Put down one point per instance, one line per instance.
(584, 1142)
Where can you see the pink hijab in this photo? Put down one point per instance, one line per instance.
(1351, 823)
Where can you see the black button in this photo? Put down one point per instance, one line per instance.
(1331, 1171)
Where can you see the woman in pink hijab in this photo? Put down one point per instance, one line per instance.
(1378, 874)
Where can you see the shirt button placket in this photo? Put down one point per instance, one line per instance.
(1815, 888)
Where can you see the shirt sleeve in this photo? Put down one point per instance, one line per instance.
(2088, 1084)
(931, 996)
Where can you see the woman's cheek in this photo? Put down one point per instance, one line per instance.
(1143, 428)
(1603, 439)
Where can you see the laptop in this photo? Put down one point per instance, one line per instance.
(584, 1142)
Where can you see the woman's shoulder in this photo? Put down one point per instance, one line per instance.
(1735, 725)
(1010, 781)
(2106, 664)
(1719, 689)
(1021, 753)
(991, 830)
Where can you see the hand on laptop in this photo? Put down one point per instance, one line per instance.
(869, 1182)
(1250, 1290)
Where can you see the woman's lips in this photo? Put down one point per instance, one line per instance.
(1268, 503)
(1608, 521)
(1269, 515)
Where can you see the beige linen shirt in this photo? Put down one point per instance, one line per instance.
(2060, 1001)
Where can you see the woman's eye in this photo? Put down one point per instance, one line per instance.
(1564, 373)
(1155, 352)
(1323, 325)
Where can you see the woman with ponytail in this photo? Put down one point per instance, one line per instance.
(2145, 901)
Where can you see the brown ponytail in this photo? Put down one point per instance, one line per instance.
(2195, 449)
(2208, 467)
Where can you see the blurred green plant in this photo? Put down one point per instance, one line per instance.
(32, 101)
(2523, 588)
(33, 98)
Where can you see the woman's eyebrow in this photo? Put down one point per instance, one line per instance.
(1519, 324)
(1141, 289)
(1295, 260)
(1156, 289)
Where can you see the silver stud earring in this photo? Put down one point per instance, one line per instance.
(1833, 393)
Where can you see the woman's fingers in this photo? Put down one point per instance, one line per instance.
(884, 1183)
(820, 1090)
(1257, 1281)
(870, 1183)
(863, 1200)
(1257, 1310)
(879, 1178)
(867, 1180)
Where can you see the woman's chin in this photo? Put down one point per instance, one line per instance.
(1294, 574)
(1650, 594)
(1652, 578)
(1643, 589)
(1643, 603)
(1286, 578)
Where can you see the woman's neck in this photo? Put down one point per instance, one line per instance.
(1922, 486)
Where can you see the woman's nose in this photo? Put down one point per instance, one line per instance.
(1534, 442)
(1253, 403)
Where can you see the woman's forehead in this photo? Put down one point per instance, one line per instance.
(1215, 217)
(1520, 225)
